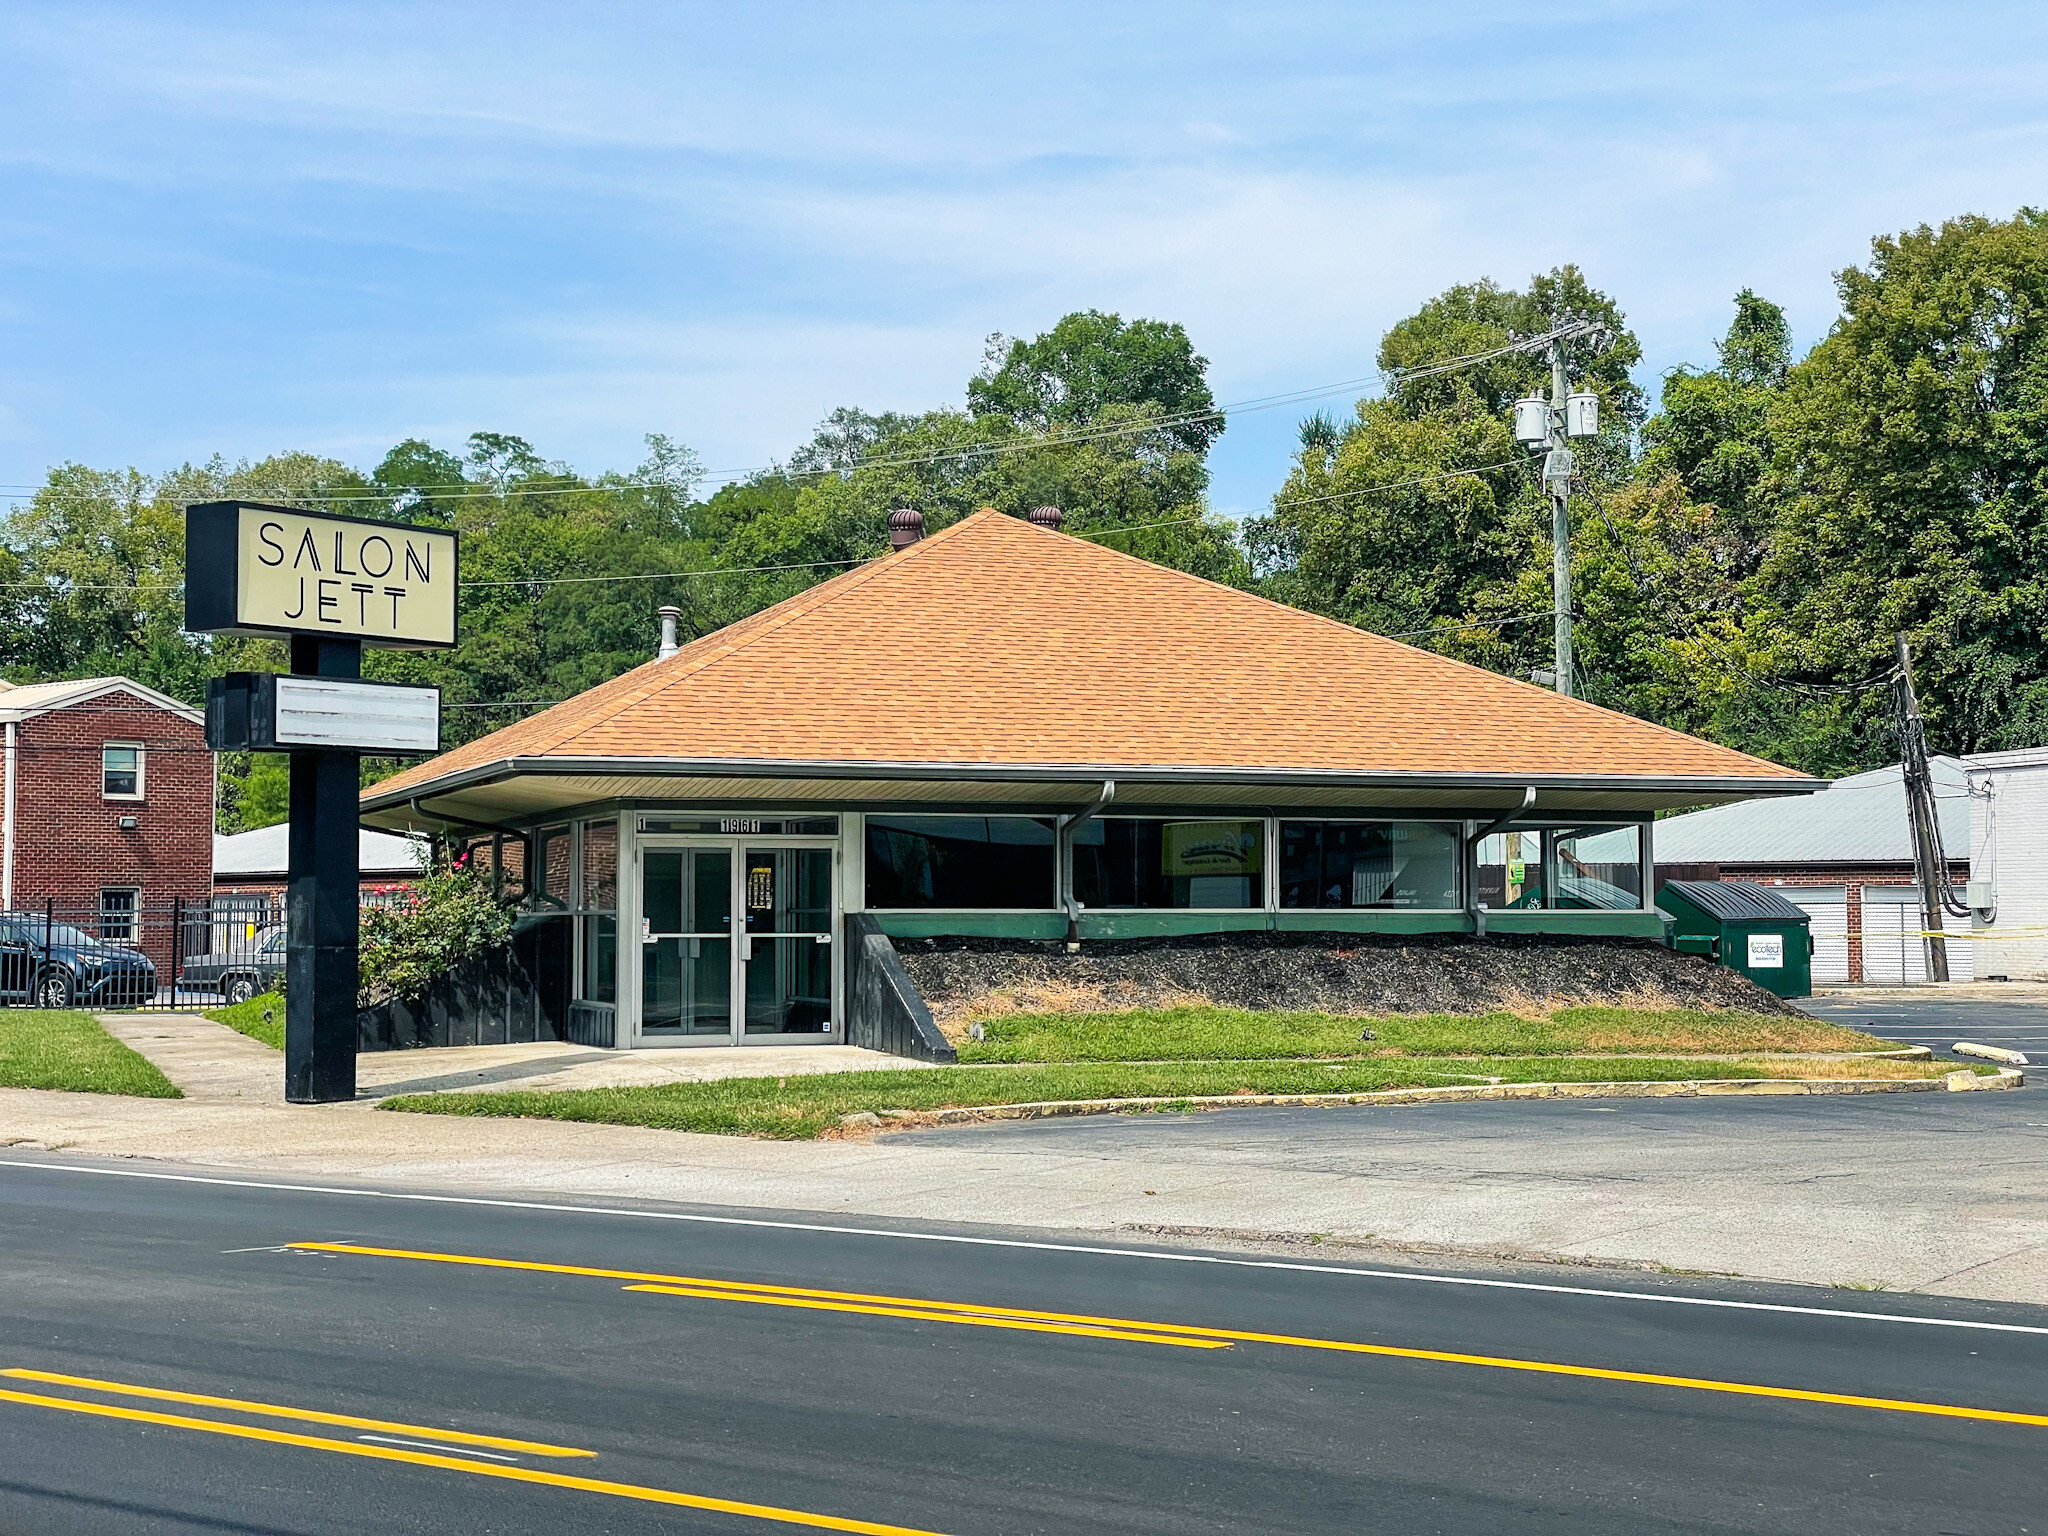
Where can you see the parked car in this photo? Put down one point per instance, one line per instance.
(55, 965)
(240, 974)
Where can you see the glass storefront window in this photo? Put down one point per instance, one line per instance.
(598, 901)
(1563, 869)
(554, 866)
(974, 862)
(1599, 867)
(600, 867)
(1128, 862)
(1368, 864)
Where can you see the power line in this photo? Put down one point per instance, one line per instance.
(1396, 485)
(469, 491)
(1446, 629)
(55, 588)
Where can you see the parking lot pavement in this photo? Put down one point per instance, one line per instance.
(2013, 1015)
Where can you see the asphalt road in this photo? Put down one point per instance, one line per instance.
(1938, 1022)
(179, 1357)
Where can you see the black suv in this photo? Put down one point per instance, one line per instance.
(59, 966)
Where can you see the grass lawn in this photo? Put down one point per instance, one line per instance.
(248, 1018)
(798, 1108)
(59, 1048)
(1234, 1034)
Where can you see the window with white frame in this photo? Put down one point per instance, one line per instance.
(121, 771)
(117, 913)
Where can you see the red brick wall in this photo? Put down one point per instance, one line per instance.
(68, 840)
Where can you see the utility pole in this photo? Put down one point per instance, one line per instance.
(1930, 863)
(1548, 425)
(1559, 457)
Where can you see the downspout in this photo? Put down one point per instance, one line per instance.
(1063, 859)
(7, 829)
(1472, 842)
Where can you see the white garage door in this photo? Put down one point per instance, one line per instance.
(1892, 950)
(1827, 911)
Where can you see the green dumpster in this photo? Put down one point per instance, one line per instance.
(1745, 926)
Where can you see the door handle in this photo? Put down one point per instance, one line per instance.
(746, 947)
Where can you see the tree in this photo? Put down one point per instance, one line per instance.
(1911, 471)
(1090, 363)
(1419, 516)
(1711, 430)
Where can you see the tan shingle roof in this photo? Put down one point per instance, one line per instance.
(995, 642)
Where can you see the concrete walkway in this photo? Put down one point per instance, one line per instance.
(213, 1063)
(1936, 1192)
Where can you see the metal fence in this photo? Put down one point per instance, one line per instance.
(164, 955)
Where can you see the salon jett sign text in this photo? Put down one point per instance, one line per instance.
(257, 569)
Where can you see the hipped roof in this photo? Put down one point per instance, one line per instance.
(995, 648)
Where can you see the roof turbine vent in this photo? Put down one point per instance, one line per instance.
(906, 527)
(670, 617)
(1048, 518)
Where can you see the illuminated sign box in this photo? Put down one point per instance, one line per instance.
(263, 712)
(254, 569)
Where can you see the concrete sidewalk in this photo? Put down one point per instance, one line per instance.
(211, 1062)
(1936, 1192)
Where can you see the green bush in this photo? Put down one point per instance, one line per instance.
(446, 919)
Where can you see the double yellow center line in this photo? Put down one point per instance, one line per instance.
(1186, 1336)
(425, 1457)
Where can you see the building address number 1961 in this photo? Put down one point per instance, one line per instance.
(740, 824)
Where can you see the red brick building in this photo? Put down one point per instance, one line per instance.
(106, 805)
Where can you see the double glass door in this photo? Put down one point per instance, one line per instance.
(735, 943)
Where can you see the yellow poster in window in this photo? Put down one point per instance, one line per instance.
(1210, 848)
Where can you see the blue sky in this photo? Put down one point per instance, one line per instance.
(244, 229)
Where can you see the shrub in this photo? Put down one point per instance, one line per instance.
(446, 919)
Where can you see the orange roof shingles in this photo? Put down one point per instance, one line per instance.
(997, 642)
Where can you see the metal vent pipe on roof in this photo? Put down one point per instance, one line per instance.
(670, 617)
(1046, 517)
(906, 527)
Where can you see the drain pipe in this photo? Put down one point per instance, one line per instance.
(1472, 842)
(1063, 859)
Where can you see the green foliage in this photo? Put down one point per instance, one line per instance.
(260, 1018)
(1210, 1033)
(1081, 371)
(451, 916)
(1422, 513)
(804, 1107)
(71, 1052)
(1912, 480)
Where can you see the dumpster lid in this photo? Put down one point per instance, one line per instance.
(1735, 900)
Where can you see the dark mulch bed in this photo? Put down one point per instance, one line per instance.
(1322, 973)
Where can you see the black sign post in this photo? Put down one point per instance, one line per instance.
(332, 585)
(322, 902)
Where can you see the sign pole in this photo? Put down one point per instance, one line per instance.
(331, 585)
(323, 903)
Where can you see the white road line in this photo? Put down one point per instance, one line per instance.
(1417, 1276)
(435, 1445)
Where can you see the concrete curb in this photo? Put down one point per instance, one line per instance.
(1989, 1053)
(1459, 1094)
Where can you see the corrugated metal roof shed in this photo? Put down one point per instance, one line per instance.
(1860, 820)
